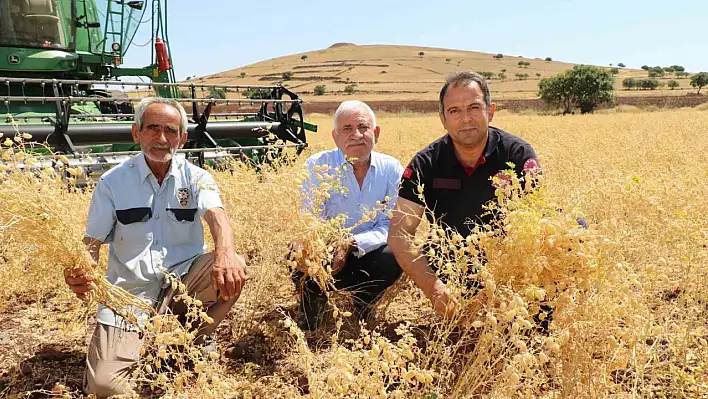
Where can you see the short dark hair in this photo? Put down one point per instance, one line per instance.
(465, 78)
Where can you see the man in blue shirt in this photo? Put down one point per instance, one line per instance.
(149, 208)
(364, 264)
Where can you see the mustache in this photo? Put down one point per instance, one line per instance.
(160, 147)
(356, 142)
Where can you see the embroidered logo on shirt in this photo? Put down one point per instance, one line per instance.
(183, 196)
(408, 173)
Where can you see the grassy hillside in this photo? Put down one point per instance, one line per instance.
(383, 72)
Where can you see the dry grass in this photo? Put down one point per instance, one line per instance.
(631, 303)
(386, 72)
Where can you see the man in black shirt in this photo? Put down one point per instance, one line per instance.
(456, 173)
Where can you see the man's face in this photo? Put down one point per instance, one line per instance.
(160, 135)
(355, 134)
(465, 115)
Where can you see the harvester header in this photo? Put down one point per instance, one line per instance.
(60, 81)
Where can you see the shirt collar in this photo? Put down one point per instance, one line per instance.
(145, 171)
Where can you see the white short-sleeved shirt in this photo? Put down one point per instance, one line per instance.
(151, 228)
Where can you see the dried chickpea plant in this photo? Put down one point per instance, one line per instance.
(547, 308)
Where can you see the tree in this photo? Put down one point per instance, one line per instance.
(523, 64)
(349, 89)
(538, 75)
(448, 60)
(503, 70)
(629, 83)
(320, 90)
(502, 76)
(669, 69)
(681, 74)
(499, 56)
(421, 54)
(287, 75)
(216, 92)
(549, 59)
(621, 65)
(645, 67)
(487, 75)
(672, 84)
(614, 71)
(256, 94)
(678, 68)
(699, 80)
(584, 87)
(304, 57)
(656, 72)
(647, 84)
(243, 74)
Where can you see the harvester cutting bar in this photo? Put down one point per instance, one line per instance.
(95, 133)
(216, 150)
(137, 85)
(8, 99)
(130, 116)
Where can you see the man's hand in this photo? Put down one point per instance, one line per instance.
(80, 283)
(340, 255)
(228, 274)
(443, 303)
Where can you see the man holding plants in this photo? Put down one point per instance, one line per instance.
(149, 208)
(454, 177)
(363, 264)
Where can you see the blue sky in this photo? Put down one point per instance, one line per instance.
(210, 36)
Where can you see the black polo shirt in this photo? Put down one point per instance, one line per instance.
(455, 195)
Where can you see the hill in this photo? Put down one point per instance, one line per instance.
(386, 72)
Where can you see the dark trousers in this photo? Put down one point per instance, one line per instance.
(366, 277)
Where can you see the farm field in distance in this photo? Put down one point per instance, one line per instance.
(635, 326)
(399, 73)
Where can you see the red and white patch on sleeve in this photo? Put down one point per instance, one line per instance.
(407, 173)
(532, 166)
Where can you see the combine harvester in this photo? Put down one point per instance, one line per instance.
(60, 65)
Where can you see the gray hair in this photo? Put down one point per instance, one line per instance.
(465, 78)
(353, 106)
(143, 105)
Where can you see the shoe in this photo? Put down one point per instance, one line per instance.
(313, 308)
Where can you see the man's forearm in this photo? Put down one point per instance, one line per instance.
(221, 230)
(93, 246)
(413, 264)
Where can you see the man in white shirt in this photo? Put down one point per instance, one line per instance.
(149, 208)
(365, 265)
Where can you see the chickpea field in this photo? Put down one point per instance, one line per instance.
(629, 293)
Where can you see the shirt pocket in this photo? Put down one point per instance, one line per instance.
(133, 234)
(183, 225)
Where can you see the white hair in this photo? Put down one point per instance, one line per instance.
(143, 105)
(353, 106)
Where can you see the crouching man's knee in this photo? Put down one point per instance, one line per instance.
(111, 355)
(105, 379)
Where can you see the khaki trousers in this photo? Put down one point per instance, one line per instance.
(113, 351)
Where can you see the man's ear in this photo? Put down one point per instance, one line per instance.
(134, 132)
(334, 135)
(377, 131)
(183, 139)
(442, 119)
(492, 108)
